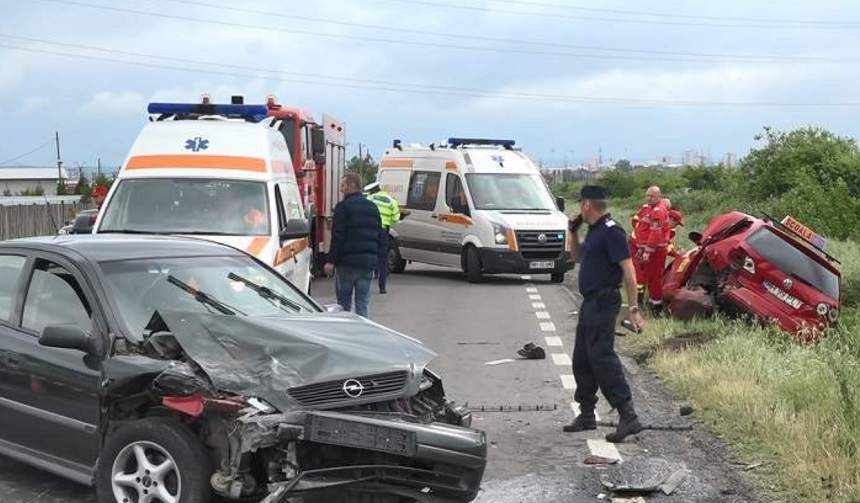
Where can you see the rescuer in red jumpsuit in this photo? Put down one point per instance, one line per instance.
(651, 236)
(675, 218)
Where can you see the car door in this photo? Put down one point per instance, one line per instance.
(454, 220)
(50, 402)
(293, 256)
(418, 234)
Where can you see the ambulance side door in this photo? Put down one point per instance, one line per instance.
(453, 219)
(418, 235)
(293, 256)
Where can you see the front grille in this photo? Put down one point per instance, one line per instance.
(384, 385)
(531, 245)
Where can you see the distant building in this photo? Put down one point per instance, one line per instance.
(19, 180)
(730, 160)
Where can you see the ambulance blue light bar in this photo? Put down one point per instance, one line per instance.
(208, 109)
(456, 142)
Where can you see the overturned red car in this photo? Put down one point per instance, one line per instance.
(776, 271)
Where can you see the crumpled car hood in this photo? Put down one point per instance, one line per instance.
(266, 356)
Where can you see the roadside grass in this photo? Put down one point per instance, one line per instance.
(794, 408)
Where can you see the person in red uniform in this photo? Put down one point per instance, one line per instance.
(638, 265)
(651, 239)
(675, 218)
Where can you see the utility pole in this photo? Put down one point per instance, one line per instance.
(59, 165)
(98, 166)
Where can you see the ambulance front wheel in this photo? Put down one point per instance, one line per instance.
(472, 263)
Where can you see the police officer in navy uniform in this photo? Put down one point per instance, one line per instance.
(604, 263)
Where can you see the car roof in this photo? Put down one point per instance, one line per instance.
(108, 247)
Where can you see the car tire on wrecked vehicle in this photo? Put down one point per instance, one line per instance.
(174, 461)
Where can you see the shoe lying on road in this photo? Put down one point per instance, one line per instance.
(532, 352)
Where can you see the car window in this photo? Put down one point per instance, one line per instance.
(55, 298)
(11, 267)
(423, 187)
(292, 201)
(455, 197)
(794, 262)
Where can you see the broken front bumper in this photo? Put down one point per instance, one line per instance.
(434, 462)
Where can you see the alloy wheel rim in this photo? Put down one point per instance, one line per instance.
(145, 472)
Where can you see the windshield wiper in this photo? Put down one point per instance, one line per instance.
(265, 292)
(128, 231)
(203, 297)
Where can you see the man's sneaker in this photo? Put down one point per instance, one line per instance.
(581, 423)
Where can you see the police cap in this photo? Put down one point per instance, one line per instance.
(371, 187)
(593, 192)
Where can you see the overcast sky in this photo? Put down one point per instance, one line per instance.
(436, 68)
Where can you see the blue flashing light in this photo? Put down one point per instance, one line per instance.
(208, 109)
(456, 142)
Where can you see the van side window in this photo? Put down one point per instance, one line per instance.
(55, 298)
(292, 201)
(279, 205)
(423, 187)
(11, 267)
(455, 197)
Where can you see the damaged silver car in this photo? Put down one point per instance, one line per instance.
(166, 370)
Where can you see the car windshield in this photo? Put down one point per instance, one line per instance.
(188, 206)
(793, 261)
(234, 285)
(498, 191)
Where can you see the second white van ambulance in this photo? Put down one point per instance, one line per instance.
(218, 172)
(476, 204)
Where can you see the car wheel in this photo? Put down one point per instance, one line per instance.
(556, 277)
(395, 262)
(473, 265)
(153, 459)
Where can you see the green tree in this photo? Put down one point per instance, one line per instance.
(82, 188)
(365, 167)
(623, 165)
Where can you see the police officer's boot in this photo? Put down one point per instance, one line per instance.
(586, 420)
(628, 423)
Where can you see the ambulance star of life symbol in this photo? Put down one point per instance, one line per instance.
(499, 159)
(196, 144)
(353, 388)
(541, 238)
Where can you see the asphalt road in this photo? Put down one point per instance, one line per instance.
(530, 459)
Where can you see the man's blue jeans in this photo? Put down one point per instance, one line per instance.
(352, 279)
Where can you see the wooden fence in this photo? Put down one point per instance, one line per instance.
(21, 221)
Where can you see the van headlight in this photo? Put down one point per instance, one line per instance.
(500, 233)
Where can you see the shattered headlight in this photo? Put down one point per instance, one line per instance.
(459, 415)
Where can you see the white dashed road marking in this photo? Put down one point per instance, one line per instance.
(547, 326)
(526, 277)
(534, 297)
(531, 289)
(561, 359)
(538, 305)
(542, 315)
(553, 341)
(567, 381)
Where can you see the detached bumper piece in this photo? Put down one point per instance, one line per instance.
(433, 462)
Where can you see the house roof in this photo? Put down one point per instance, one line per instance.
(29, 173)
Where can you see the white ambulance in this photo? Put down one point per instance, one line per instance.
(218, 172)
(476, 204)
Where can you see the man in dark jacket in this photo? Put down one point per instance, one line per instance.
(355, 246)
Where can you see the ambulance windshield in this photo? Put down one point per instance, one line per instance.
(188, 206)
(513, 192)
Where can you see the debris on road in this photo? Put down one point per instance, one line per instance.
(532, 351)
(637, 499)
(478, 343)
(651, 426)
(674, 480)
(511, 408)
(499, 362)
(685, 409)
(591, 459)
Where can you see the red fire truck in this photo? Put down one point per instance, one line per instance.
(318, 150)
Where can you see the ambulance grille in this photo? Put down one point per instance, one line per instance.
(387, 385)
(531, 246)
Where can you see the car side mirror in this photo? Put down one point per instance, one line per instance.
(69, 337)
(297, 228)
(559, 203)
(695, 237)
(318, 144)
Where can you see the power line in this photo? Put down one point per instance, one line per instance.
(434, 45)
(415, 31)
(25, 154)
(579, 17)
(421, 88)
(681, 16)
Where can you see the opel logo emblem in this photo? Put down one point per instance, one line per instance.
(787, 283)
(541, 238)
(353, 388)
